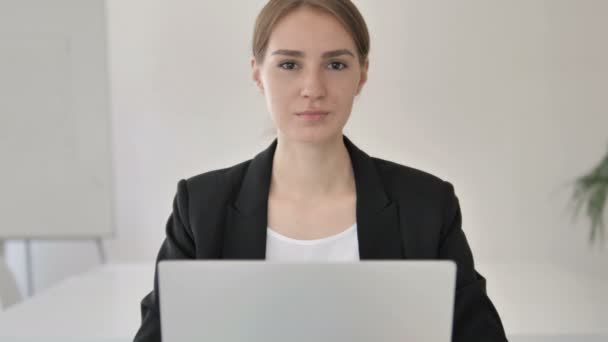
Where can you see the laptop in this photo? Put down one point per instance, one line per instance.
(270, 301)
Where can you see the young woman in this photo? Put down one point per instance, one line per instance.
(312, 194)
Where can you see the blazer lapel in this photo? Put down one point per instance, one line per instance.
(378, 225)
(247, 217)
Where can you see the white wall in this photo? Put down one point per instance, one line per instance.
(502, 98)
(54, 86)
(54, 133)
(505, 99)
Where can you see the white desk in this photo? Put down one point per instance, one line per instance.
(537, 303)
(9, 294)
(548, 300)
(100, 306)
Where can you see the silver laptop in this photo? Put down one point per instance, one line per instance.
(266, 301)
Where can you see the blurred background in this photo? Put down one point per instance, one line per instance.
(106, 105)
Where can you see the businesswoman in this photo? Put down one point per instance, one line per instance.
(313, 194)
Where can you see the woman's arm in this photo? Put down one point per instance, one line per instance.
(178, 244)
(475, 317)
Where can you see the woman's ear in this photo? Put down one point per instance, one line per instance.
(255, 74)
(363, 78)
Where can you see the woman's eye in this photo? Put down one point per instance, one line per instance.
(333, 66)
(339, 64)
(287, 64)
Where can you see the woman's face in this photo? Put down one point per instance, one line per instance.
(310, 64)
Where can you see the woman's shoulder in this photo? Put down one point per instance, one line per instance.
(406, 181)
(219, 176)
(216, 184)
(399, 180)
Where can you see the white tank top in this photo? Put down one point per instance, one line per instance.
(343, 246)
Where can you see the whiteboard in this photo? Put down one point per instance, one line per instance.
(55, 174)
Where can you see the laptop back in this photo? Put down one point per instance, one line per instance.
(265, 301)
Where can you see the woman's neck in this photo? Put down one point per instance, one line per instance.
(306, 171)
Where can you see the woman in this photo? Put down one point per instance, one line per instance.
(312, 194)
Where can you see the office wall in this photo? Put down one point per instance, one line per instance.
(55, 168)
(504, 99)
(54, 86)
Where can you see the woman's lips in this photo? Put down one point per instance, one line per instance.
(312, 115)
(311, 112)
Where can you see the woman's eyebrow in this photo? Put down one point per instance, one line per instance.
(328, 54)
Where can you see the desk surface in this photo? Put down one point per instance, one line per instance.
(540, 303)
(103, 303)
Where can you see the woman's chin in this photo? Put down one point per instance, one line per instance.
(313, 136)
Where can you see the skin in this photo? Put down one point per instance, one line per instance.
(312, 192)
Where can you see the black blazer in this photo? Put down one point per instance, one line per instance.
(402, 213)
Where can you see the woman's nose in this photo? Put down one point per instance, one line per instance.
(313, 85)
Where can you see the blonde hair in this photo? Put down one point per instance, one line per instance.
(343, 10)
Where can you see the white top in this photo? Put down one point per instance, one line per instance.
(343, 246)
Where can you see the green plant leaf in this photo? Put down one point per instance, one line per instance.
(591, 192)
